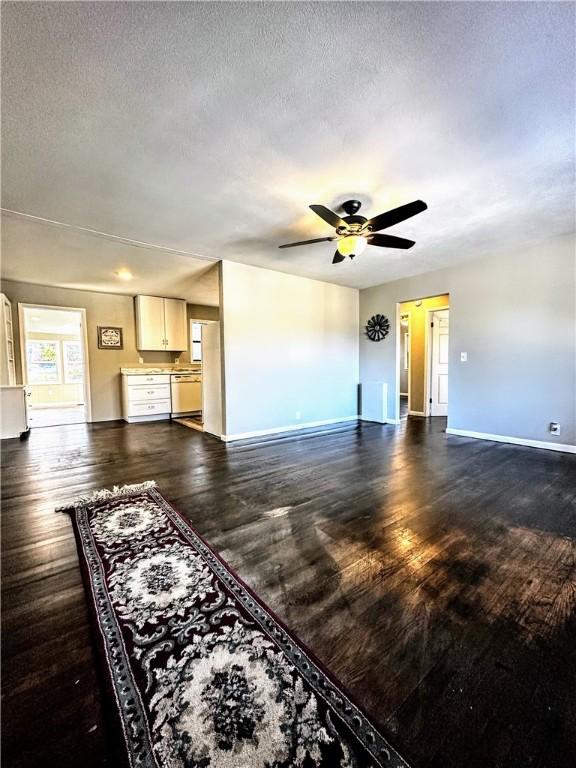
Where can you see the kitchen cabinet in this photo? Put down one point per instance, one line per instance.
(14, 420)
(175, 325)
(7, 365)
(161, 324)
(146, 397)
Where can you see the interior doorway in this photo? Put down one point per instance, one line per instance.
(206, 358)
(404, 385)
(54, 355)
(422, 358)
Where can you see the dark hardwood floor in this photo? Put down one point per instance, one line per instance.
(434, 575)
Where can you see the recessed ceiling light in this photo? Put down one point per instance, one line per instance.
(124, 274)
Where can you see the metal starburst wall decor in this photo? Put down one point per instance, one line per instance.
(377, 328)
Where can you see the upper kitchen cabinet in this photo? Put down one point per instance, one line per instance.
(175, 324)
(161, 324)
(150, 322)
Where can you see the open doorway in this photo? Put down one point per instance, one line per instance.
(54, 357)
(422, 361)
(206, 416)
(404, 363)
(187, 389)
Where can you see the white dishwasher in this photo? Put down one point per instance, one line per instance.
(186, 391)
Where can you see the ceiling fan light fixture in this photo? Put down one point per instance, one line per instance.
(355, 232)
(353, 245)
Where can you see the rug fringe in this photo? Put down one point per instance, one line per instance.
(108, 493)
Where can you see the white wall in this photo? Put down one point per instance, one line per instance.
(514, 314)
(290, 346)
(212, 379)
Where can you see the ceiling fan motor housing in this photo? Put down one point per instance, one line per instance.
(351, 206)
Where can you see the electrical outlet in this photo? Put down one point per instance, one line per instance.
(141, 360)
(298, 414)
(463, 357)
(554, 428)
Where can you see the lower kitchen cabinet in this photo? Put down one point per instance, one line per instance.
(145, 397)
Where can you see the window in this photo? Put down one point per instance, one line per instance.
(73, 363)
(54, 362)
(196, 342)
(42, 362)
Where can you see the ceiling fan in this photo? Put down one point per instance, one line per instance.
(354, 232)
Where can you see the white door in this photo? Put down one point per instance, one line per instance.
(150, 323)
(175, 324)
(439, 367)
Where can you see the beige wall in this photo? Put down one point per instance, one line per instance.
(104, 364)
(417, 329)
(197, 312)
(200, 312)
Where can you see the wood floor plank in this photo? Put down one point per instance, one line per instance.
(434, 575)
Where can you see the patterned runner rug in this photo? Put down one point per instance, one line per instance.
(203, 675)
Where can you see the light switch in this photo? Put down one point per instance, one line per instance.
(463, 357)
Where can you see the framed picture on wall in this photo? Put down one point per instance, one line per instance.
(109, 337)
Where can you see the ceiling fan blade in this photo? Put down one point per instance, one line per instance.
(396, 215)
(307, 242)
(338, 258)
(329, 216)
(389, 241)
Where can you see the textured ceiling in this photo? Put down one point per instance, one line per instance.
(209, 127)
(36, 252)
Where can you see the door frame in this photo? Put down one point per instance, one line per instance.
(398, 356)
(428, 356)
(84, 336)
(408, 314)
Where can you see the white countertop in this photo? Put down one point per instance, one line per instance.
(159, 370)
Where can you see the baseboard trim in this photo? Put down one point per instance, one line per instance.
(291, 428)
(547, 446)
(43, 406)
(374, 421)
(142, 419)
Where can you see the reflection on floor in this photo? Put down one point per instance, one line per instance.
(403, 406)
(53, 417)
(194, 422)
(433, 574)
